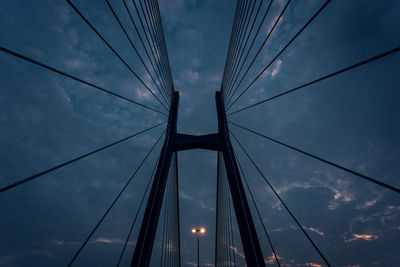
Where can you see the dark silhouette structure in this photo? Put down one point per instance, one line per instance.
(175, 142)
(232, 185)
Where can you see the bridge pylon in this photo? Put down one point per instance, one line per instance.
(227, 169)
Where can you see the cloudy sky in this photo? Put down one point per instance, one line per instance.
(351, 119)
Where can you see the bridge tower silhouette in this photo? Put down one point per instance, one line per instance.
(234, 196)
(227, 170)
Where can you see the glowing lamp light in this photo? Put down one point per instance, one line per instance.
(201, 230)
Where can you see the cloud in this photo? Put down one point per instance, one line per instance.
(271, 259)
(312, 264)
(200, 203)
(365, 237)
(315, 231)
(143, 94)
(273, 70)
(214, 78)
(185, 196)
(238, 252)
(276, 68)
(189, 76)
(194, 264)
(341, 193)
(105, 240)
(369, 203)
(57, 242)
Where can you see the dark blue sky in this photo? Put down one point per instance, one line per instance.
(351, 119)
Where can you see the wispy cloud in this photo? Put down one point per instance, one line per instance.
(238, 252)
(105, 240)
(319, 232)
(271, 259)
(366, 237)
(57, 242)
(276, 68)
(312, 264)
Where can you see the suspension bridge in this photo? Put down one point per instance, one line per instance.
(158, 209)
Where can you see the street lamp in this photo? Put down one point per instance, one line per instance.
(202, 230)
